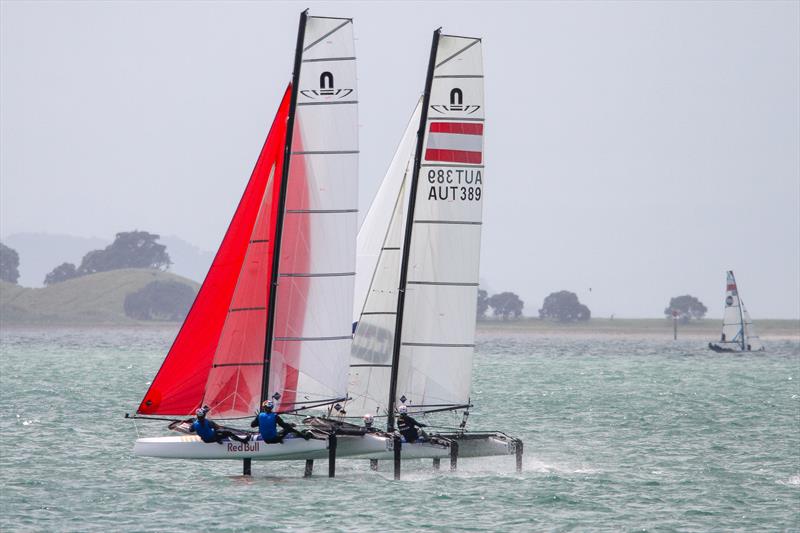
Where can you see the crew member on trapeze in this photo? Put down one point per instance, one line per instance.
(267, 423)
(209, 431)
(408, 426)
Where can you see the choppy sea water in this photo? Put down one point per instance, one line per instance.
(620, 434)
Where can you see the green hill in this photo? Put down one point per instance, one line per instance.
(94, 299)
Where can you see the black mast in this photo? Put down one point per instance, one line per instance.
(398, 327)
(276, 256)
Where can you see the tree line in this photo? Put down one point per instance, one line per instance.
(139, 249)
(130, 249)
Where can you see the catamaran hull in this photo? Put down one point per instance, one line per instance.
(485, 445)
(418, 450)
(191, 447)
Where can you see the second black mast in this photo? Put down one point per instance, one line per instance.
(398, 328)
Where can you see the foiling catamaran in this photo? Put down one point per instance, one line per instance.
(738, 333)
(272, 319)
(413, 345)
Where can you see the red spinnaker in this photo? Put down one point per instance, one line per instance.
(180, 385)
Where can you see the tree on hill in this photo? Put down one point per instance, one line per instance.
(131, 249)
(9, 264)
(506, 305)
(160, 300)
(62, 272)
(687, 306)
(564, 306)
(483, 304)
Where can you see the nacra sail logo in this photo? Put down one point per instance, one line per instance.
(457, 104)
(326, 89)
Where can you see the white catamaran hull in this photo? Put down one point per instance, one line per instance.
(191, 447)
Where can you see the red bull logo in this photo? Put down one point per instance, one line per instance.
(243, 446)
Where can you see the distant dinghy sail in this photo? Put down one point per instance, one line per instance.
(273, 316)
(738, 332)
(420, 246)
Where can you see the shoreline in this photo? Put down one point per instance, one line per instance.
(707, 329)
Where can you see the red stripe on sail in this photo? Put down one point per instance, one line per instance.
(731, 287)
(180, 383)
(453, 156)
(462, 128)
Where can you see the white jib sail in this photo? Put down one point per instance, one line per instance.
(312, 336)
(380, 242)
(438, 335)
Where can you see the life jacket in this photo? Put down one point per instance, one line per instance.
(204, 429)
(267, 425)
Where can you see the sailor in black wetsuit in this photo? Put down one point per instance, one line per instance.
(209, 431)
(407, 425)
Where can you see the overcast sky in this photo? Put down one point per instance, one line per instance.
(637, 149)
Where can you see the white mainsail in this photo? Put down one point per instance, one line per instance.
(438, 335)
(738, 331)
(312, 335)
(434, 364)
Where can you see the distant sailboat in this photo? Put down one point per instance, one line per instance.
(738, 332)
(273, 316)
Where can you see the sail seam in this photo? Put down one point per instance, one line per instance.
(328, 103)
(339, 338)
(235, 309)
(390, 248)
(370, 365)
(238, 364)
(460, 119)
(325, 152)
(258, 240)
(470, 45)
(321, 211)
(329, 59)
(315, 274)
(334, 30)
(460, 222)
(438, 345)
(459, 76)
(447, 283)
(379, 313)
